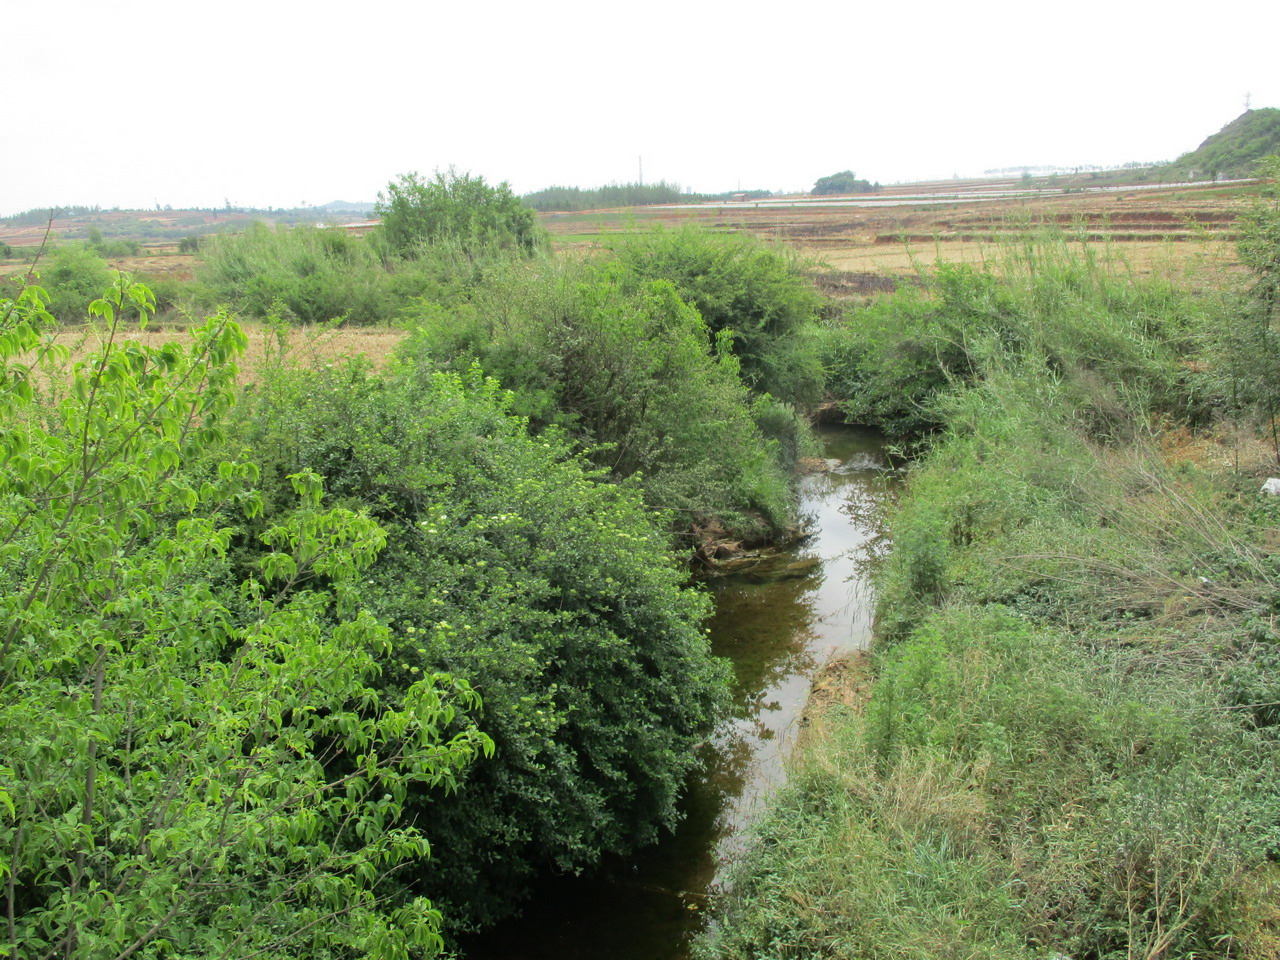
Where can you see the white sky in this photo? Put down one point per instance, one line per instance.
(274, 102)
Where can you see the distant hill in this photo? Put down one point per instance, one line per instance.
(1231, 152)
(333, 206)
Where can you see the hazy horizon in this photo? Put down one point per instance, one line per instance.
(142, 103)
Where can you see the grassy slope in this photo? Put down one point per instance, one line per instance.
(1233, 151)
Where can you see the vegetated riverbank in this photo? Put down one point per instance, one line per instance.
(1076, 676)
(780, 614)
(478, 548)
(1070, 743)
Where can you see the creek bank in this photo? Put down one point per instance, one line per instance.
(781, 613)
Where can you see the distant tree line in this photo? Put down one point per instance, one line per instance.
(569, 199)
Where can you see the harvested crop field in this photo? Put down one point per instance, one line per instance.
(870, 237)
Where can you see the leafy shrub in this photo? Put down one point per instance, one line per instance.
(511, 565)
(749, 294)
(455, 208)
(72, 277)
(192, 764)
(1113, 343)
(1248, 344)
(315, 274)
(116, 249)
(624, 367)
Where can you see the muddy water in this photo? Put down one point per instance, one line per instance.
(778, 619)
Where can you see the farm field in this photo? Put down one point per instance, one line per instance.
(306, 347)
(1182, 226)
(861, 244)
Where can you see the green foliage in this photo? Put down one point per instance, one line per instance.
(1112, 343)
(6, 251)
(193, 765)
(1069, 746)
(613, 195)
(455, 208)
(511, 565)
(316, 274)
(1248, 345)
(189, 244)
(1010, 793)
(72, 276)
(623, 365)
(117, 249)
(313, 273)
(841, 183)
(750, 294)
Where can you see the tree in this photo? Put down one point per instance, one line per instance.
(190, 765)
(840, 183)
(455, 208)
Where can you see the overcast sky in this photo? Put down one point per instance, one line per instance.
(272, 103)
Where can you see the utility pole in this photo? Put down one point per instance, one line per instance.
(1248, 98)
(641, 165)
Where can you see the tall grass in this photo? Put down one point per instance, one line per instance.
(317, 274)
(1113, 340)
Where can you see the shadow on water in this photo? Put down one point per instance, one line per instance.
(778, 618)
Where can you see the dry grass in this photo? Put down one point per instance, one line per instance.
(845, 681)
(1145, 258)
(306, 346)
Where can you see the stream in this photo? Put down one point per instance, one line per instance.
(778, 617)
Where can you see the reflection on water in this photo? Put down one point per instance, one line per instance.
(778, 618)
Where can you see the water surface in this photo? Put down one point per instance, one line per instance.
(779, 616)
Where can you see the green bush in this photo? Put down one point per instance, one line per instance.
(73, 276)
(754, 294)
(624, 368)
(116, 249)
(840, 183)
(179, 746)
(1114, 343)
(1247, 346)
(512, 565)
(312, 273)
(458, 209)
